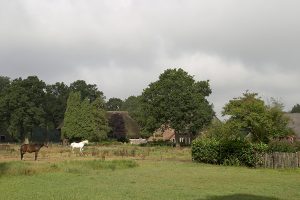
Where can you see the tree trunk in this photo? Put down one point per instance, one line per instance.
(177, 139)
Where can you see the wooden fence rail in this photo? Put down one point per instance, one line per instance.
(279, 160)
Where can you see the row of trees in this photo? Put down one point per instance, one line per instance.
(26, 104)
(175, 99)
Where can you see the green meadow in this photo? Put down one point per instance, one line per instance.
(137, 173)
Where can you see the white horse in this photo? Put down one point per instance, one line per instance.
(79, 145)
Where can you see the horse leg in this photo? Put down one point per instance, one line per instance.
(35, 155)
(22, 155)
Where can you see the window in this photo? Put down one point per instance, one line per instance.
(2, 138)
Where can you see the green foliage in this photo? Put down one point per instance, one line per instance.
(72, 127)
(99, 122)
(18, 168)
(155, 180)
(4, 83)
(21, 106)
(206, 150)
(283, 146)
(252, 117)
(55, 103)
(133, 105)
(84, 120)
(240, 152)
(178, 100)
(114, 104)
(222, 131)
(28, 104)
(80, 167)
(227, 152)
(296, 109)
(88, 91)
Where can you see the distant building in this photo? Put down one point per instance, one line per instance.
(168, 134)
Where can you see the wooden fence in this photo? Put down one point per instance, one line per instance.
(279, 160)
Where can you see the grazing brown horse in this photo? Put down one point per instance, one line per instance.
(31, 148)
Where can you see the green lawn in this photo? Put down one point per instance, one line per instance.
(149, 179)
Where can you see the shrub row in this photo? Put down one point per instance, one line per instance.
(227, 152)
(283, 146)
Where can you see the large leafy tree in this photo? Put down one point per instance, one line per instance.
(4, 83)
(296, 109)
(88, 91)
(99, 122)
(133, 105)
(22, 106)
(251, 116)
(55, 103)
(85, 120)
(177, 100)
(114, 104)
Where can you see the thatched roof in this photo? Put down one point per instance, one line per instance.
(131, 126)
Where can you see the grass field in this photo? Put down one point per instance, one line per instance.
(128, 172)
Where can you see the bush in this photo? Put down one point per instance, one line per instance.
(227, 152)
(297, 145)
(283, 146)
(206, 150)
(241, 152)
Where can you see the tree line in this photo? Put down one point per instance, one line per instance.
(175, 100)
(26, 104)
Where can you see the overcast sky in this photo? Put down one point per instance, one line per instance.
(124, 45)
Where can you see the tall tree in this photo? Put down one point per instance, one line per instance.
(55, 103)
(85, 120)
(251, 116)
(87, 90)
(23, 106)
(177, 100)
(296, 109)
(72, 129)
(4, 83)
(114, 104)
(100, 122)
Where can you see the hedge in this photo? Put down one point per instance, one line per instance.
(227, 152)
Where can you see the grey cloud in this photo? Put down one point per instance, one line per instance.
(124, 45)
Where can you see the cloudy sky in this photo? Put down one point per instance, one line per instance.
(123, 45)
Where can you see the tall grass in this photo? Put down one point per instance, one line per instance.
(17, 168)
(79, 166)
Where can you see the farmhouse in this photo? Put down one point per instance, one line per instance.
(168, 134)
(122, 125)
